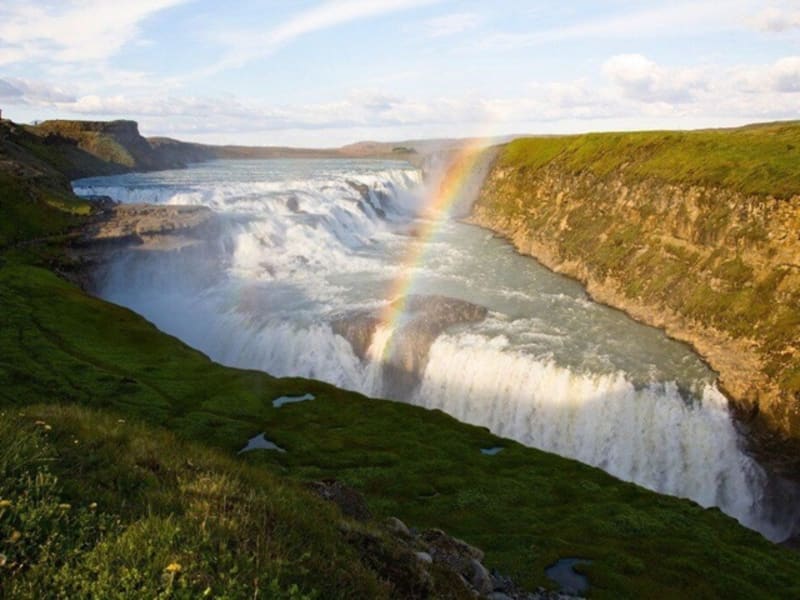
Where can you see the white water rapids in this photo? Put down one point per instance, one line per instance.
(299, 246)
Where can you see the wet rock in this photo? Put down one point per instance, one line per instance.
(115, 229)
(424, 318)
(357, 328)
(144, 223)
(361, 188)
(349, 501)
(364, 191)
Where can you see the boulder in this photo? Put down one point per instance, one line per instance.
(397, 527)
(481, 581)
(449, 551)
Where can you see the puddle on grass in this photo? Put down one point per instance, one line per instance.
(278, 402)
(259, 442)
(564, 575)
(491, 451)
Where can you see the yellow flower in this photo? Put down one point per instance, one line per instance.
(40, 423)
(48, 427)
(173, 568)
(3, 560)
(15, 537)
(93, 505)
(64, 506)
(5, 503)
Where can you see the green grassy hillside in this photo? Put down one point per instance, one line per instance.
(759, 159)
(525, 508)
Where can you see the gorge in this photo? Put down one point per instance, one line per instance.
(297, 270)
(366, 272)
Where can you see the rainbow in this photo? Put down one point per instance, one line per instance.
(436, 210)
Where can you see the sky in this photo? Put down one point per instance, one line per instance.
(328, 72)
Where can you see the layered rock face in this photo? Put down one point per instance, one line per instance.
(713, 266)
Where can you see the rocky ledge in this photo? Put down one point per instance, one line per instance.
(146, 225)
(418, 563)
(121, 227)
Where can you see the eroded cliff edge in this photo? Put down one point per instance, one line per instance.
(697, 233)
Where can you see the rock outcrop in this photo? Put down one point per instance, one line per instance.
(420, 564)
(114, 228)
(118, 144)
(424, 319)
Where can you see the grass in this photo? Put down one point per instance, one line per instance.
(30, 211)
(524, 507)
(102, 508)
(760, 160)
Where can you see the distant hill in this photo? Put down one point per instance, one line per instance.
(110, 147)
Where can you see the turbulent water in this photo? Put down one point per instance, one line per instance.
(300, 265)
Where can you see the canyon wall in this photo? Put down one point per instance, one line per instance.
(697, 233)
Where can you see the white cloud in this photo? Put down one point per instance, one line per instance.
(71, 30)
(22, 91)
(631, 87)
(640, 78)
(699, 15)
(451, 24)
(785, 74)
(9, 92)
(777, 20)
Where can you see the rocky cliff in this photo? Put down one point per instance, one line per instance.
(118, 144)
(696, 233)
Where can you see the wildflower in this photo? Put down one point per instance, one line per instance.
(64, 506)
(40, 423)
(14, 538)
(93, 506)
(48, 427)
(120, 420)
(173, 568)
(3, 560)
(5, 503)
